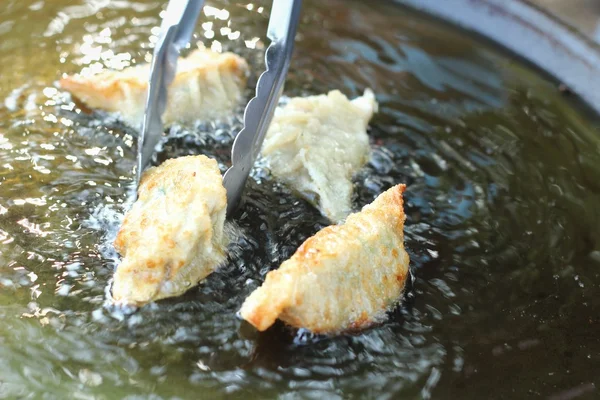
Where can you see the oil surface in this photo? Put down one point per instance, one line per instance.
(503, 221)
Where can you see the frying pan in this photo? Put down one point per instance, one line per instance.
(523, 31)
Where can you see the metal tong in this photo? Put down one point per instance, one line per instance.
(176, 31)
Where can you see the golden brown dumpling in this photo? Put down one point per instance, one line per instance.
(172, 237)
(206, 85)
(316, 144)
(344, 277)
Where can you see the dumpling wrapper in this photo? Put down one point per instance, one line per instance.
(316, 144)
(207, 85)
(172, 237)
(345, 277)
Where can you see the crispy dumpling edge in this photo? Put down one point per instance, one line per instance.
(263, 307)
(121, 241)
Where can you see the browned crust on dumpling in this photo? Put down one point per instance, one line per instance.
(99, 93)
(113, 91)
(345, 277)
(173, 235)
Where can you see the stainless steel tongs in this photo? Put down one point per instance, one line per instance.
(176, 31)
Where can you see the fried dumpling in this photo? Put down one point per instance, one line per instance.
(207, 85)
(343, 278)
(173, 236)
(315, 145)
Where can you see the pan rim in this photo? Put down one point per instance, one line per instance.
(530, 33)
